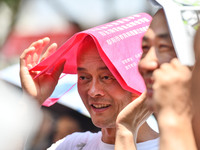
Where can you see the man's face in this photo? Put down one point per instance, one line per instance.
(157, 49)
(101, 94)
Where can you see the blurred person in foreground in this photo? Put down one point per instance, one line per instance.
(168, 89)
(182, 84)
(174, 112)
(20, 119)
(100, 92)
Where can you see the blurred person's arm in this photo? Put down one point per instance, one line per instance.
(195, 89)
(196, 123)
(173, 104)
(129, 121)
(196, 101)
(42, 87)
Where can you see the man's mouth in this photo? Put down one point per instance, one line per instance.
(100, 106)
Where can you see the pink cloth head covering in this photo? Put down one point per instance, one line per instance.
(119, 45)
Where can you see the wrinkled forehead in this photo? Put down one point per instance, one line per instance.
(89, 54)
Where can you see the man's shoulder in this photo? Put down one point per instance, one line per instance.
(77, 139)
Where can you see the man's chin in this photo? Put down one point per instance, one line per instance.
(103, 124)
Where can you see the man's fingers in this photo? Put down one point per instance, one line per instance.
(138, 102)
(40, 43)
(45, 42)
(178, 66)
(141, 98)
(25, 57)
(143, 103)
(39, 46)
(52, 48)
(31, 55)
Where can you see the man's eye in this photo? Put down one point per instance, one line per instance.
(82, 78)
(145, 48)
(164, 48)
(106, 77)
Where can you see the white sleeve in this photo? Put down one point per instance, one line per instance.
(55, 145)
(73, 141)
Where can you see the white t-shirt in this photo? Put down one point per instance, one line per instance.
(92, 141)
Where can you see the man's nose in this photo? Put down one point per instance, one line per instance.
(149, 62)
(95, 89)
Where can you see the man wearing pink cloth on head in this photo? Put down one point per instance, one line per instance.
(106, 62)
